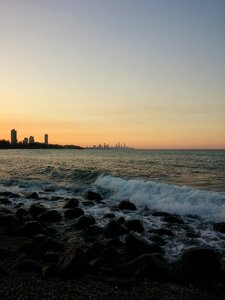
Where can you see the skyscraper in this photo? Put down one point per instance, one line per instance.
(13, 137)
(31, 140)
(46, 139)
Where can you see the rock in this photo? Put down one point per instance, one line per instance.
(73, 213)
(109, 216)
(95, 264)
(115, 242)
(88, 203)
(71, 203)
(5, 201)
(93, 230)
(6, 193)
(173, 219)
(50, 216)
(36, 210)
(120, 220)
(51, 257)
(109, 254)
(14, 195)
(21, 212)
(162, 231)
(30, 228)
(90, 195)
(136, 245)
(33, 196)
(134, 225)
(219, 227)
(8, 220)
(32, 251)
(92, 253)
(157, 239)
(47, 244)
(49, 271)
(72, 264)
(148, 266)
(192, 234)
(4, 253)
(126, 205)
(201, 260)
(84, 222)
(28, 265)
(114, 229)
(161, 214)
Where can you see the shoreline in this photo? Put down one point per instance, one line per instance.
(40, 257)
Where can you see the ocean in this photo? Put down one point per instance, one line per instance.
(190, 183)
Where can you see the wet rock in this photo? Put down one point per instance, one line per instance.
(28, 265)
(31, 250)
(95, 264)
(109, 216)
(136, 245)
(84, 222)
(148, 266)
(162, 231)
(114, 243)
(5, 201)
(198, 262)
(50, 216)
(49, 270)
(21, 212)
(219, 227)
(30, 228)
(88, 203)
(73, 213)
(14, 195)
(6, 193)
(173, 219)
(72, 264)
(51, 257)
(90, 195)
(192, 234)
(93, 230)
(4, 253)
(120, 220)
(157, 239)
(50, 244)
(92, 253)
(126, 205)
(110, 254)
(36, 210)
(161, 214)
(71, 203)
(134, 225)
(8, 220)
(114, 229)
(33, 196)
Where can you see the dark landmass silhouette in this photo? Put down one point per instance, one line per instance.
(6, 145)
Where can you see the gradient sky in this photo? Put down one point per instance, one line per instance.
(150, 73)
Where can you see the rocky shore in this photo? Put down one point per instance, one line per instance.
(63, 253)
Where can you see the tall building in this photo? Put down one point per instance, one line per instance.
(31, 140)
(13, 137)
(25, 141)
(46, 139)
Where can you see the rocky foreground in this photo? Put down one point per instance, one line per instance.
(41, 260)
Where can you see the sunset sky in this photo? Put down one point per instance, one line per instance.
(150, 73)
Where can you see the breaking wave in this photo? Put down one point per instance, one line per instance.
(165, 197)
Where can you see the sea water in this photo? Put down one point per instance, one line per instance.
(185, 182)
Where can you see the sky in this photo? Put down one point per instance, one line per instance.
(149, 73)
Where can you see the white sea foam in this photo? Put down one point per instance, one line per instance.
(165, 197)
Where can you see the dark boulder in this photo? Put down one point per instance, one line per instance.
(161, 214)
(72, 264)
(30, 228)
(93, 230)
(50, 244)
(90, 195)
(92, 253)
(126, 205)
(148, 266)
(36, 210)
(114, 229)
(30, 250)
(109, 254)
(50, 216)
(28, 265)
(6, 193)
(115, 242)
(33, 196)
(134, 225)
(173, 219)
(21, 213)
(9, 221)
(136, 245)
(84, 222)
(220, 227)
(50, 270)
(109, 216)
(71, 203)
(51, 257)
(197, 262)
(73, 213)
(120, 220)
(162, 231)
(5, 201)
